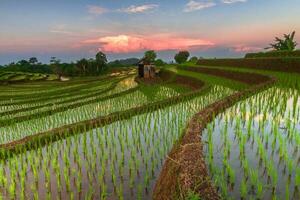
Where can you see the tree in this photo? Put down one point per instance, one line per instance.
(101, 61)
(23, 62)
(193, 60)
(82, 65)
(33, 60)
(150, 56)
(55, 64)
(159, 62)
(181, 56)
(285, 44)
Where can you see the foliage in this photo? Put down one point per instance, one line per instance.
(285, 44)
(181, 57)
(100, 61)
(33, 60)
(274, 54)
(150, 56)
(193, 196)
(124, 62)
(193, 60)
(159, 62)
(276, 64)
(83, 67)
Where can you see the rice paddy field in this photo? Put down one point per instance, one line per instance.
(108, 137)
(14, 77)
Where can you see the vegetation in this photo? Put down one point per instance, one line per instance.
(83, 67)
(181, 57)
(150, 56)
(264, 130)
(129, 62)
(274, 54)
(108, 136)
(285, 44)
(274, 64)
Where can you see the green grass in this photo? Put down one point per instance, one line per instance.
(213, 80)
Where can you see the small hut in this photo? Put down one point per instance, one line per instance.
(146, 69)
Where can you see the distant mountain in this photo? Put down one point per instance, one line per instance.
(124, 62)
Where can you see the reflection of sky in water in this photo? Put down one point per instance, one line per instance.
(252, 144)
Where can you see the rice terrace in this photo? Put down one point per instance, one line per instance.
(163, 116)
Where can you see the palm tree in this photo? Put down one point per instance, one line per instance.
(285, 44)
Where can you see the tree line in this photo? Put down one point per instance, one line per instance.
(88, 67)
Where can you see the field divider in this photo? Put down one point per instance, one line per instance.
(44, 138)
(191, 175)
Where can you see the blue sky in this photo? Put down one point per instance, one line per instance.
(73, 29)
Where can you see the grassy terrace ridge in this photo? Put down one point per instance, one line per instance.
(17, 77)
(286, 79)
(94, 89)
(213, 80)
(51, 111)
(236, 76)
(65, 131)
(63, 101)
(54, 91)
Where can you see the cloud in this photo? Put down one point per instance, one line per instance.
(138, 9)
(198, 5)
(96, 10)
(244, 48)
(233, 1)
(62, 29)
(127, 43)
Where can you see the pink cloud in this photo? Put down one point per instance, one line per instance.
(127, 43)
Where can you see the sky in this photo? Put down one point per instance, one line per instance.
(74, 29)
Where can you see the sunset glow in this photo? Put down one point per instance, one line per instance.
(126, 43)
(214, 28)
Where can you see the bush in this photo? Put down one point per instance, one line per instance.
(276, 64)
(274, 54)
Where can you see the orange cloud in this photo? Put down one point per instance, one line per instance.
(127, 43)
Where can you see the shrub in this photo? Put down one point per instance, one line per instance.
(276, 64)
(274, 54)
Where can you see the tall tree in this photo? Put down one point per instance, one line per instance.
(55, 64)
(33, 60)
(82, 65)
(150, 56)
(181, 57)
(287, 43)
(101, 61)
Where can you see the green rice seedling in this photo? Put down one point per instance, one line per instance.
(243, 189)
(253, 177)
(297, 179)
(259, 193)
